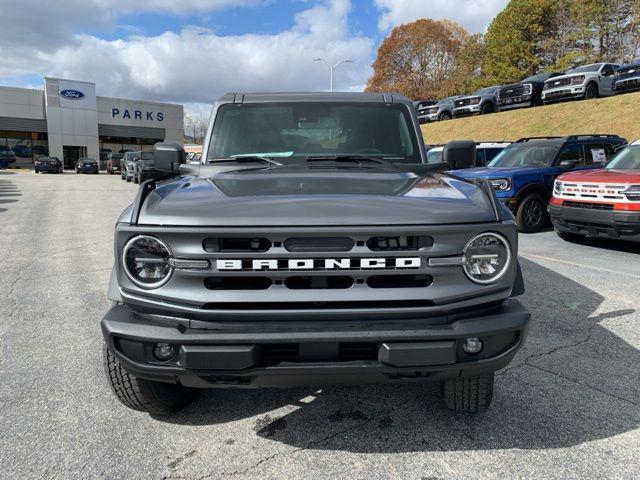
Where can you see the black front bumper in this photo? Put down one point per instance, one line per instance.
(315, 352)
(596, 223)
(46, 167)
(87, 169)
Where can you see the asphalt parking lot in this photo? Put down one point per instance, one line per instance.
(568, 407)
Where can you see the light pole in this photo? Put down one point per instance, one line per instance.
(331, 69)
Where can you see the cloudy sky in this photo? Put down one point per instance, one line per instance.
(192, 51)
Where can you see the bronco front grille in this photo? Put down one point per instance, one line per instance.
(258, 272)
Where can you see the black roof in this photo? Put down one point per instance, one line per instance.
(571, 138)
(355, 97)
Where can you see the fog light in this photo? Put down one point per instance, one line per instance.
(472, 346)
(163, 351)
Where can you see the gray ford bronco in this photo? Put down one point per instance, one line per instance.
(312, 245)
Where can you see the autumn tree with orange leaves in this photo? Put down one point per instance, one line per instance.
(427, 59)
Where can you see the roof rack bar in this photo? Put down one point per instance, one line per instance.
(593, 135)
(545, 137)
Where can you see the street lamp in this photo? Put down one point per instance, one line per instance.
(331, 69)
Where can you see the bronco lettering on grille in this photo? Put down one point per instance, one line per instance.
(319, 264)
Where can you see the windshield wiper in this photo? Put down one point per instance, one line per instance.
(245, 159)
(352, 158)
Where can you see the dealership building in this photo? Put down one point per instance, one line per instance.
(67, 120)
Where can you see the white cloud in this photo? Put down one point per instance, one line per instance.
(197, 65)
(475, 15)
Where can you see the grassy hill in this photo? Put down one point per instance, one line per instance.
(619, 114)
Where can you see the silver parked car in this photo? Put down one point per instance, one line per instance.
(587, 81)
(443, 110)
(481, 102)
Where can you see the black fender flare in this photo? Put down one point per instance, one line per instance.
(538, 188)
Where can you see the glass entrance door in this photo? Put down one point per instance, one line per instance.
(71, 156)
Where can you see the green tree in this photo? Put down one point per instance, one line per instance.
(516, 38)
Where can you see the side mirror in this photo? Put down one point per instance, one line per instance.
(167, 157)
(459, 154)
(567, 164)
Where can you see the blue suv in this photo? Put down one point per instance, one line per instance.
(522, 174)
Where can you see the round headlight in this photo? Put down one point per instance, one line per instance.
(146, 261)
(486, 258)
(557, 187)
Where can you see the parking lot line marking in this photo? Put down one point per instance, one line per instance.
(566, 262)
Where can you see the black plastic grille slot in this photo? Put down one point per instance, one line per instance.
(399, 242)
(319, 244)
(588, 205)
(318, 283)
(273, 354)
(237, 283)
(228, 244)
(399, 281)
(335, 305)
(349, 352)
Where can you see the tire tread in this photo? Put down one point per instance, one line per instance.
(468, 394)
(142, 395)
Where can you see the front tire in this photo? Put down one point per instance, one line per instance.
(444, 116)
(531, 215)
(591, 92)
(155, 398)
(468, 394)
(487, 108)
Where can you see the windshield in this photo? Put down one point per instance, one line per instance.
(541, 77)
(626, 159)
(293, 132)
(146, 155)
(486, 91)
(525, 156)
(586, 68)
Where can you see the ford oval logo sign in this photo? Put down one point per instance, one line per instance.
(71, 94)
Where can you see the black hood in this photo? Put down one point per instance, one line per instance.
(314, 195)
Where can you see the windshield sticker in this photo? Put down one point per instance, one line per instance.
(598, 155)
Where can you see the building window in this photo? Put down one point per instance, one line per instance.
(25, 145)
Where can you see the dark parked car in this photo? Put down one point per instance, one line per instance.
(627, 78)
(114, 163)
(48, 164)
(7, 155)
(145, 169)
(522, 175)
(481, 102)
(87, 165)
(341, 260)
(23, 151)
(526, 93)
